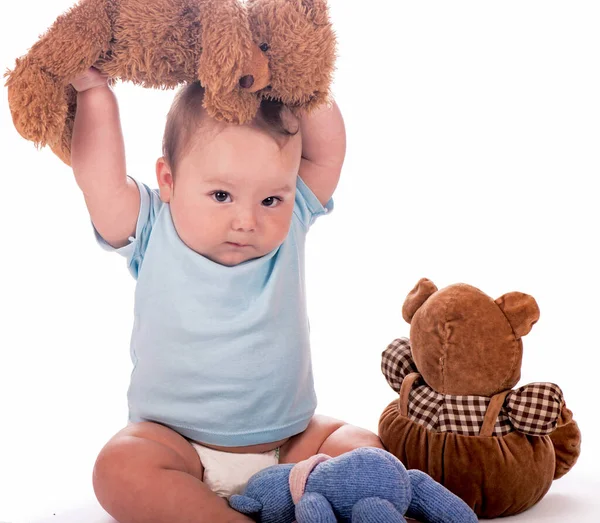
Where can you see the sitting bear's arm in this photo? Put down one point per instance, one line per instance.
(567, 442)
(535, 409)
(397, 362)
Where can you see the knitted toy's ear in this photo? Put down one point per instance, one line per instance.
(417, 297)
(521, 310)
(245, 504)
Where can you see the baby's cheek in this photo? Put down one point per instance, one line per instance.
(283, 226)
(280, 237)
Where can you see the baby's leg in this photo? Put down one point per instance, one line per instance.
(329, 436)
(147, 473)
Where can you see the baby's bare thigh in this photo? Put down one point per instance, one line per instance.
(148, 473)
(309, 442)
(328, 436)
(147, 445)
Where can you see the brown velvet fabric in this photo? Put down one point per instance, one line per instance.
(464, 343)
(460, 328)
(494, 476)
(567, 443)
(521, 310)
(417, 297)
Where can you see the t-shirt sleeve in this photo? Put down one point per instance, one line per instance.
(307, 207)
(150, 204)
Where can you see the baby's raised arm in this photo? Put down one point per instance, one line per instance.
(323, 150)
(98, 160)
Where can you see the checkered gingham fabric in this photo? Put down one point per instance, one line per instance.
(532, 409)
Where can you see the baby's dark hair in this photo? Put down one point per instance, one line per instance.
(186, 115)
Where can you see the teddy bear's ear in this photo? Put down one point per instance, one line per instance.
(417, 297)
(317, 11)
(226, 45)
(521, 310)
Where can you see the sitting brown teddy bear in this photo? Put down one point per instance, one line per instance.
(458, 418)
(240, 52)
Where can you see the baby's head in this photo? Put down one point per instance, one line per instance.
(231, 188)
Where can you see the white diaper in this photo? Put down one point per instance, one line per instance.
(227, 473)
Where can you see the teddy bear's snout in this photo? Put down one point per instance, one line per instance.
(246, 81)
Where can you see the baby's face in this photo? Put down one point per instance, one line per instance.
(233, 194)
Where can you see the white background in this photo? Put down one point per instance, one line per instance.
(473, 139)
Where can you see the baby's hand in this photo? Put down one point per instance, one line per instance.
(91, 78)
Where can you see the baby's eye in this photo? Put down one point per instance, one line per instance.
(220, 196)
(271, 201)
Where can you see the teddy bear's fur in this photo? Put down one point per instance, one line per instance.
(240, 52)
(457, 418)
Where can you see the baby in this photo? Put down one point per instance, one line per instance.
(222, 385)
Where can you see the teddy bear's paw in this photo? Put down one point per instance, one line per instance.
(234, 107)
(566, 440)
(37, 102)
(375, 510)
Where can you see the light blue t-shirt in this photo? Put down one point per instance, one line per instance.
(221, 354)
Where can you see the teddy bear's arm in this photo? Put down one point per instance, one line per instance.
(567, 442)
(535, 409)
(36, 87)
(397, 362)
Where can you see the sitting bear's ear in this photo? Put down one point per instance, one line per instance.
(521, 310)
(245, 504)
(417, 297)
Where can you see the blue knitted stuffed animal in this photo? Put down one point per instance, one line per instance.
(366, 485)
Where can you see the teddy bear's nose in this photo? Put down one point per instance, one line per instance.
(247, 81)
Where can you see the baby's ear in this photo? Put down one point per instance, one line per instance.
(521, 310)
(417, 297)
(244, 504)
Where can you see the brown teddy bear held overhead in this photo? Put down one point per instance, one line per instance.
(241, 52)
(457, 417)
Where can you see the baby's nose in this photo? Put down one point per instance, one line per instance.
(247, 81)
(245, 222)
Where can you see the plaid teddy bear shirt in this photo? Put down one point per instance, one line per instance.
(533, 409)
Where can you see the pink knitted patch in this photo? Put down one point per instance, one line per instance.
(300, 472)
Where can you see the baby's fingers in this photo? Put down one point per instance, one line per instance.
(91, 78)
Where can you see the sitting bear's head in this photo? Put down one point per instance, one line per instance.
(464, 342)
